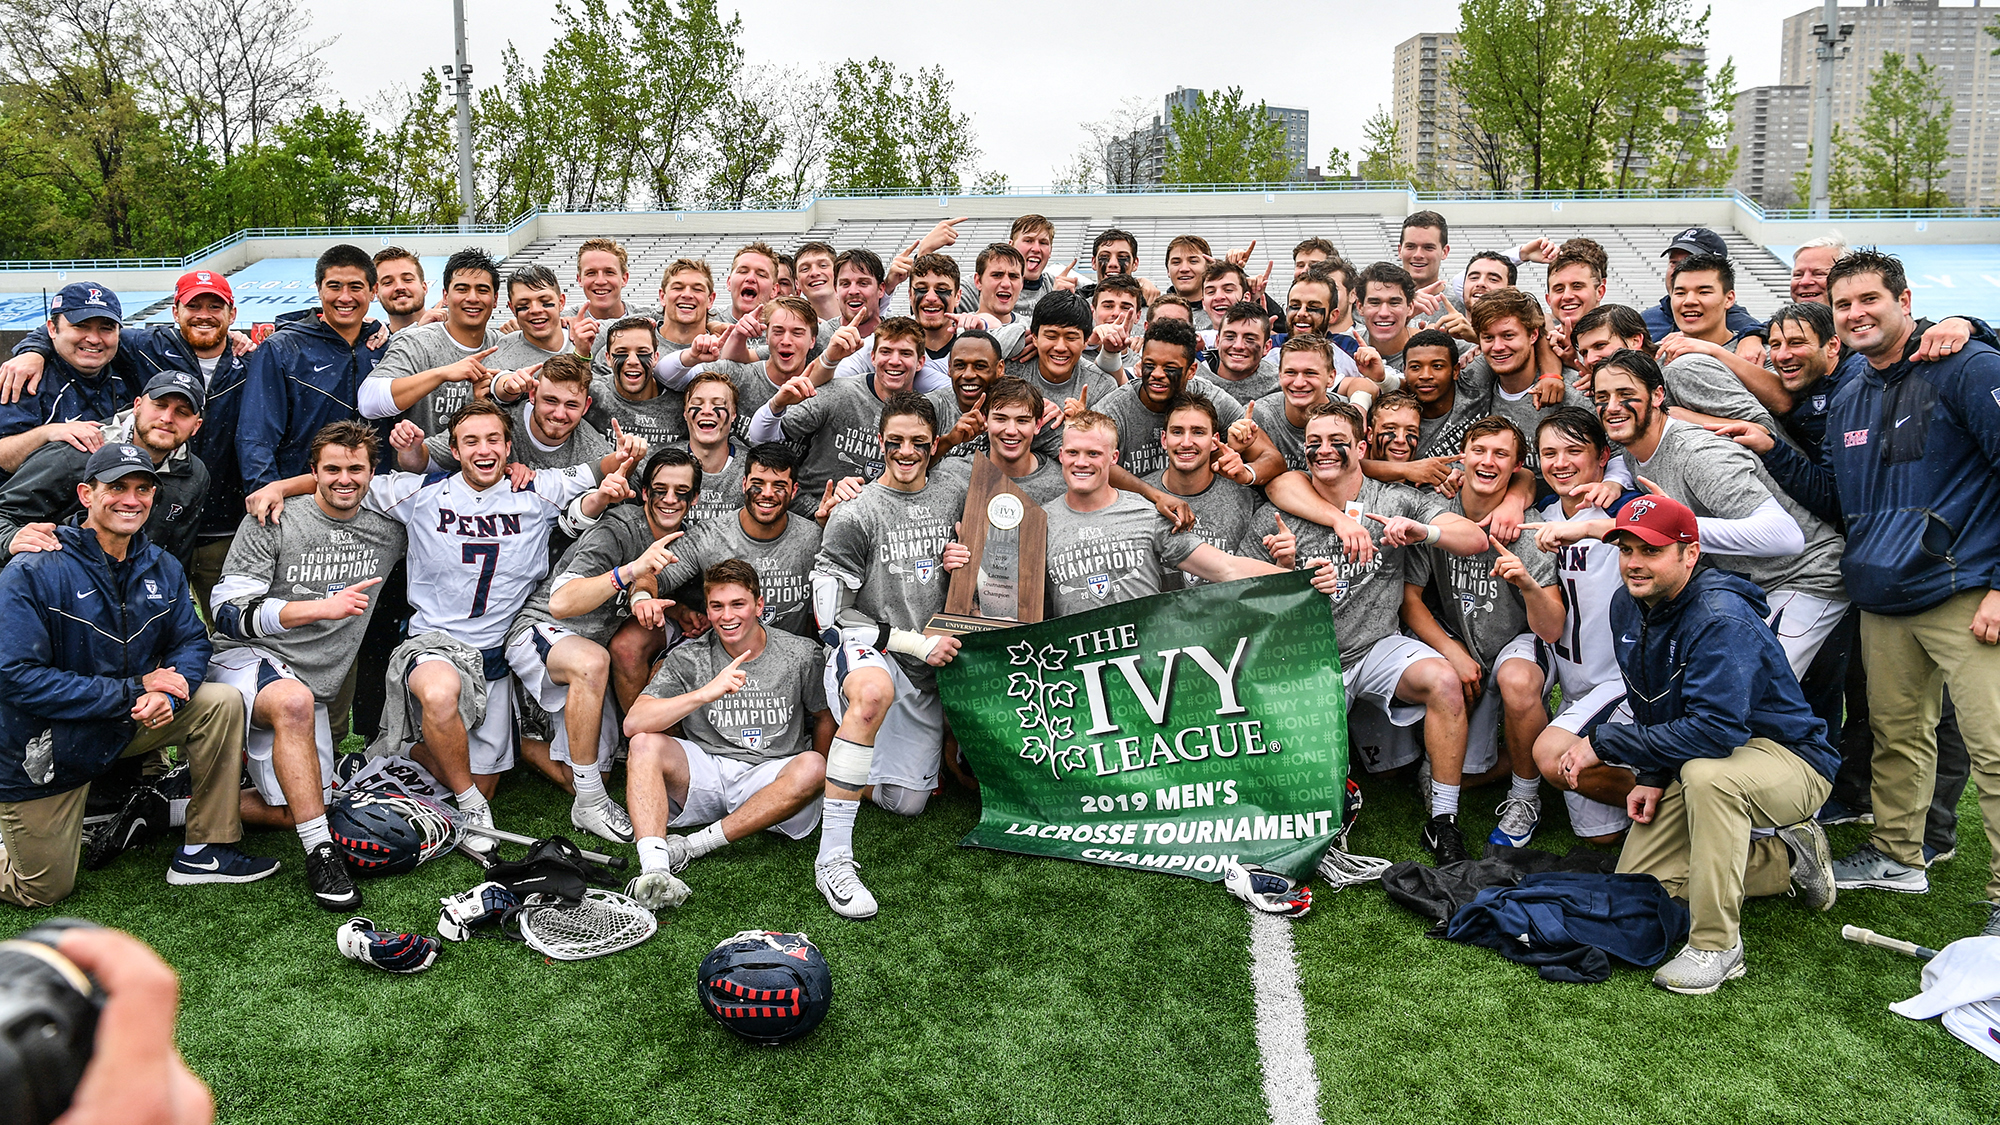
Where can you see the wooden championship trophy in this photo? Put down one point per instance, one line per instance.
(1008, 536)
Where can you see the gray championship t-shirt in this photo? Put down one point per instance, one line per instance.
(1705, 385)
(517, 351)
(1262, 382)
(1112, 555)
(770, 717)
(1471, 400)
(1480, 610)
(420, 348)
(1044, 486)
(784, 566)
(1047, 442)
(722, 491)
(603, 342)
(308, 555)
(1368, 602)
(1094, 382)
(1222, 514)
(619, 536)
(584, 445)
(1521, 410)
(888, 547)
(1139, 428)
(660, 420)
(840, 428)
(1722, 480)
(1290, 440)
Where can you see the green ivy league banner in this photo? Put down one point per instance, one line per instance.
(1161, 734)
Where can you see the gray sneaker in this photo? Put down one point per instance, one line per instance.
(1992, 922)
(1812, 863)
(1868, 869)
(1698, 972)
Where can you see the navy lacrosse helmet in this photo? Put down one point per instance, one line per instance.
(380, 832)
(767, 987)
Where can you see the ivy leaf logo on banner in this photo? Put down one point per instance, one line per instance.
(1043, 698)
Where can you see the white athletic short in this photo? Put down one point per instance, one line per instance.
(490, 745)
(1483, 726)
(1377, 723)
(1803, 622)
(1604, 703)
(528, 656)
(718, 786)
(909, 749)
(250, 670)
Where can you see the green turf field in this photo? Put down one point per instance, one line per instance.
(995, 988)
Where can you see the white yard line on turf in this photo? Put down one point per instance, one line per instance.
(1291, 1088)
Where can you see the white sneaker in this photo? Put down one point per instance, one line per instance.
(839, 880)
(1698, 972)
(481, 817)
(604, 819)
(656, 890)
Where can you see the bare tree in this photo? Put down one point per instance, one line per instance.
(802, 107)
(229, 71)
(1120, 143)
(745, 138)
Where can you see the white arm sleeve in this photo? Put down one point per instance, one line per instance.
(1768, 532)
(764, 425)
(375, 399)
(840, 622)
(671, 374)
(1620, 473)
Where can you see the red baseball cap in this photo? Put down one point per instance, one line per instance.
(196, 282)
(1658, 520)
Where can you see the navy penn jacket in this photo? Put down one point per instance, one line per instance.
(301, 377)
(82, 629)
(1703, 676)
(68, 395)
(144, 353)
(1911, 464)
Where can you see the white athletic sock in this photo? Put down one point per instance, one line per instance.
(177, 812)
(589, 784)
(1525, 788)
(836, 826)
(653, 854)
(705, 841)
(471, 800)
(1444, 799)
(192, 849)
(313, 833)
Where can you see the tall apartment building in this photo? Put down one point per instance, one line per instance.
(1424, 106)
(1952, 39)
(1144, 151)
(1771, 127)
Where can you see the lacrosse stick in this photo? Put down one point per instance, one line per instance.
(1870, 937)
(604, 922)
(614, 862)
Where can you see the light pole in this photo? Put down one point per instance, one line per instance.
(461, 74)
(1831, 35)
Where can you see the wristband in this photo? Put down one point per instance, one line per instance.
(1432, 533)
(1362, 400)
(911, 643)
(1253, 476)
(638, 596)
(616, 580)
(1557, 376)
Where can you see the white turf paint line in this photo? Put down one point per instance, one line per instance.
(1291, 1087)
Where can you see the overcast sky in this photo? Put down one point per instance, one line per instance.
(1028, 71)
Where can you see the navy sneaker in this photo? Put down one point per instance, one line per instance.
(1835, 812)
(1933, 857)
(218, 863)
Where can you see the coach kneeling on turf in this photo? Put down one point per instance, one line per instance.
(1722, 741)
(105, 658)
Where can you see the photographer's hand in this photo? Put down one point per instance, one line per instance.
(136, 1077)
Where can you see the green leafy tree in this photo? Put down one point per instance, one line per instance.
(1339, 164)
(1692, 150)
(746, 139)
(1379, 158)
(1843, 177)
(894, 132)
(1225, 140)
(1903, 139)
(681, 66)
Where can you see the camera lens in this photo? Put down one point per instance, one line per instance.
(48, 1022)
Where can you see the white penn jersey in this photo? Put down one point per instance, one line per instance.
(1587, 574)
(475, 557)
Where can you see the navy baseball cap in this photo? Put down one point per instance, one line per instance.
(177, 383)
(1698, 240)
(118, 460)
(81, 300)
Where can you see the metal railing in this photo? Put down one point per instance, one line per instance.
(249, 233)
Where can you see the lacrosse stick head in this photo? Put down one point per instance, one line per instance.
(382, 832)
(767, 987)
(604, 922)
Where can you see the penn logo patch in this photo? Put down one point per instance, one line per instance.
(1852, 438)
(924, 569)
(1996, 394)
(1340, 590)
(1639, 508)
(753, 738)
(1100, 584)
(1819, 401)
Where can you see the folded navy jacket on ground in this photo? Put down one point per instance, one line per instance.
(1570, 925)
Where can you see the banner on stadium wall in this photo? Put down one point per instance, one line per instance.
(1162, 734)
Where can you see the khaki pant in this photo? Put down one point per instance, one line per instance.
(44, 838)
(1910, 661)
(205, 570)
(1698, 845)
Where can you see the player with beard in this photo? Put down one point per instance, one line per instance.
(295, 599)
(837, 422)
(1117, 306)
(602, 271)
(1187, 261)
(1574, 451)
(1404, 677)
(1167, 367)
(879, 578)
(711, 422)
(1749, 525)
(751, 703)
(1317, 306)
(401, 290)
(431, 370)
(1010, 434)
(624, 391)
(1201, 470)
(197, 342)
(548, 409)
(763, 532)
(535, 300)
(477, 550)
(1107, 546)
(1575, 286)
(1494, 603)
(1509, 327)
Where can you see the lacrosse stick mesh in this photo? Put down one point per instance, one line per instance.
(604, 922)
(436, 822)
